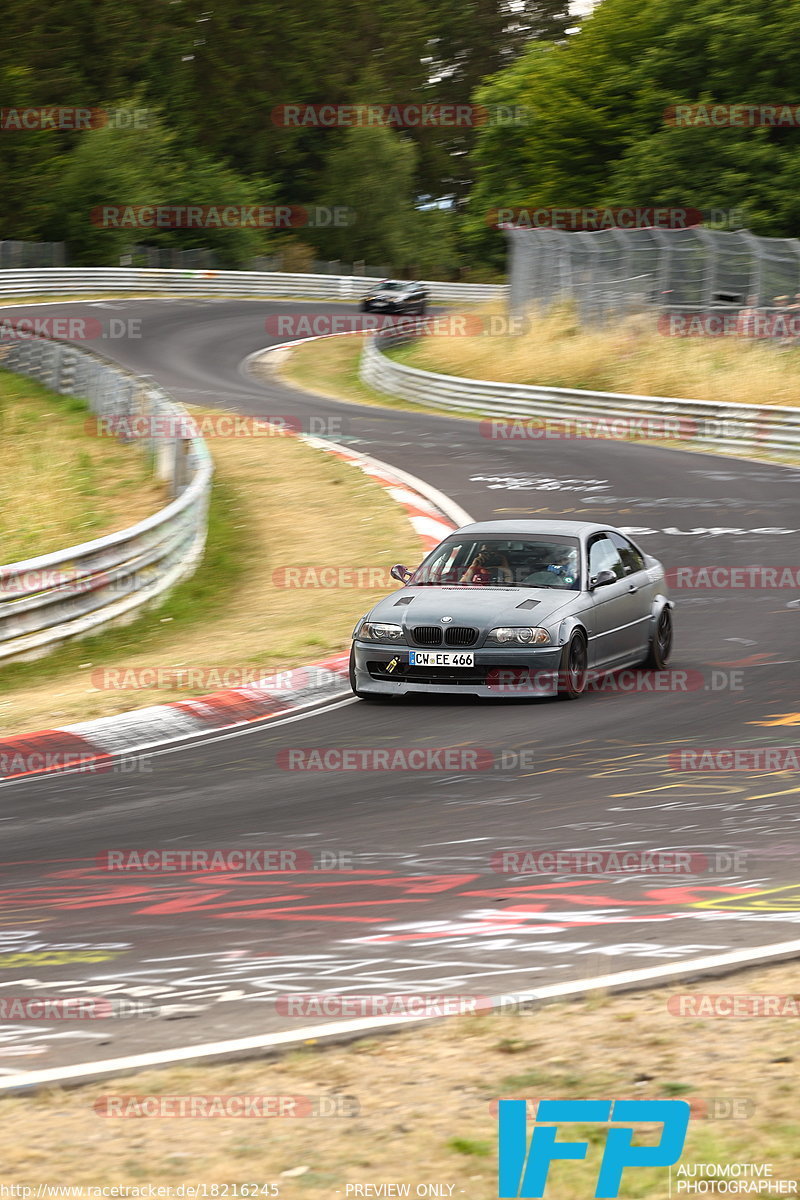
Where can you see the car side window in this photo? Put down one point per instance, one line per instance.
(604, 556)
(632, 560)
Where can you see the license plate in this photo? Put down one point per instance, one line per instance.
(440, 658)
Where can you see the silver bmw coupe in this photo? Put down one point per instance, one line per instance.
(510, 608)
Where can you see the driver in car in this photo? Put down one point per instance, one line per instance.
(488, 566)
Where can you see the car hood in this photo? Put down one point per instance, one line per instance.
(388, 295)
(482, 607)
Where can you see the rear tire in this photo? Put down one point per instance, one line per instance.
(661, 645)
(572, 672)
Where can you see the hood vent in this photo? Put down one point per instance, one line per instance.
(403, 600)
(529, 604)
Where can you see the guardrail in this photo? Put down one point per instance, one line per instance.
(46, 600)
(737, 427)
(70, 281)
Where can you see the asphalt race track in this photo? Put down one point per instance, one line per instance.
(414, 905)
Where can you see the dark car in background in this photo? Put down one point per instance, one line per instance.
(396, 296)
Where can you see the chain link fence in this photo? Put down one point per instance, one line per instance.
(24, 255)
(615, 272)
(19, 255)
(170, 258)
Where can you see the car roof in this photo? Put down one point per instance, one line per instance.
(526, 528)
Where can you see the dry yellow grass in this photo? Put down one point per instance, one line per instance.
(426, 1103)
(328, 367)
(631, 356)
(290, 506)
(58, 485)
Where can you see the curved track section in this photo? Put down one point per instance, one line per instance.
(408, 899)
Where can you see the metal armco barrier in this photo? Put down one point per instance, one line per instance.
(72, 281)
(46, 600)
(736, 427)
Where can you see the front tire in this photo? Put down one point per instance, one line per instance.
(661, 645)
(572, 674)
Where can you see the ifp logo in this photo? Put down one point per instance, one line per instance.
(523, 1169)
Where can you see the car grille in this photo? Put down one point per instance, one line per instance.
(460, 635)
(430, 675)
(427, 635)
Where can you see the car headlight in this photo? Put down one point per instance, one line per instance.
(379, 631)
(522, 636)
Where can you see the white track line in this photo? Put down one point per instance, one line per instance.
(622, 980)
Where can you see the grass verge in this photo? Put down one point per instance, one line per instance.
(84, 486)
(630, 356)
(277, 503)
(424, 1103)
(329, 368)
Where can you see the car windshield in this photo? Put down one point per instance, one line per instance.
(543, 562)
(392, 285)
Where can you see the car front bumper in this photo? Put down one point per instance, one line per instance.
(498, 672)
(389, 306)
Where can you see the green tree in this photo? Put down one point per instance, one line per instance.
(371, 172)
(599, 134)
(129, 167)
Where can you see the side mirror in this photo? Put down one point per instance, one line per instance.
(400, 572)
(602, 579)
